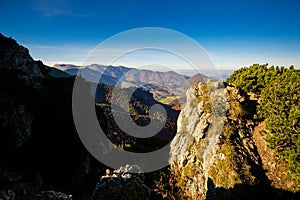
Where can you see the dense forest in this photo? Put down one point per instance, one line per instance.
(277, 90)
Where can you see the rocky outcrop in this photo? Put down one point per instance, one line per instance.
(122, 184)
(20, 74)
(39, 147)
(213, 147)
(16, 57)
(53, 195)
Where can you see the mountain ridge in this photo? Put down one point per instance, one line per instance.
(169, 82)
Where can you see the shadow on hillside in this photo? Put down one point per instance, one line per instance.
(248, 192)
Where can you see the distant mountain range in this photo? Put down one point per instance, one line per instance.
(161, 84)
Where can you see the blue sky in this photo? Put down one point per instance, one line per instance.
(234, 33)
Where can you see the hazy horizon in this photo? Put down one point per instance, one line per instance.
(216, 73)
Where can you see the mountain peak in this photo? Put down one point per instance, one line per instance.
(15, 56)
(197, 78)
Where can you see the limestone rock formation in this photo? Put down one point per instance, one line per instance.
(213, 148)
(122, 184)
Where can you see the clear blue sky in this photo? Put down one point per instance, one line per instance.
(234, 33)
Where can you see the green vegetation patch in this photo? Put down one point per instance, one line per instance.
(278, 92)
(203, 95)
(225, 172)
(169, 100)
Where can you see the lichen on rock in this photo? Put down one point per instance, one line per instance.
(213, 145)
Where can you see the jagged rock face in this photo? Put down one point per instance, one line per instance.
(17, 69)
(39, 145)
(213, 147)
(16, 57)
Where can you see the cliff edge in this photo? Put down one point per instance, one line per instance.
(214, 155)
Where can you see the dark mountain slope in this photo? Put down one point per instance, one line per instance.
(39, 146)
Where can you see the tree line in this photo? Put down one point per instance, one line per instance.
(278, 92)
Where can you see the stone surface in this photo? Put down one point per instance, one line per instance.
(54, 195)
(128, 185)
(16, 57)
(213, 147)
